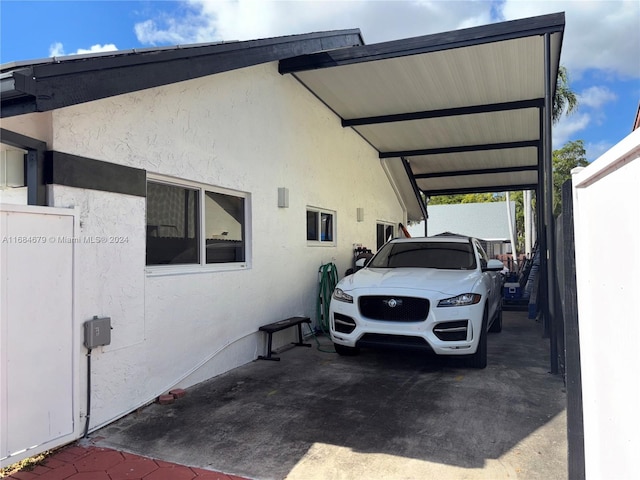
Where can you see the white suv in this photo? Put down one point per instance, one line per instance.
(441, 293)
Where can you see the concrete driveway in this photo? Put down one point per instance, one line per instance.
(379, 415)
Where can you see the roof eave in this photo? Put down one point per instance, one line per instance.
(84, 78)
(553, 23)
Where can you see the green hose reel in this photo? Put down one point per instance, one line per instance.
(328, 278)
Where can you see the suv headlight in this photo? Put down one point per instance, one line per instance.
(460, 300)
(338, 294)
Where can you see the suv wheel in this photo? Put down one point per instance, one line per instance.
(479, 359)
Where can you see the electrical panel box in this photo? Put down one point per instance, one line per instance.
(97, 332)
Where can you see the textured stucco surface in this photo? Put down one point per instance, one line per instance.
(251, 131)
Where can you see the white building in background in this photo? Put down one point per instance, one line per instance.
(486, 221)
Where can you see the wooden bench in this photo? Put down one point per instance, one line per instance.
(271, 328)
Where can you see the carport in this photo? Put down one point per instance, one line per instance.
(466, 111)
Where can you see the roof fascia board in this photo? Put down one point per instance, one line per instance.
(483, 171)
(462, 148)
(496, 32)
(490, 189)
(82, 80)
(445, 112)
(274, 48)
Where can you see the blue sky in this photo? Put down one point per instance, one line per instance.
(601, 46)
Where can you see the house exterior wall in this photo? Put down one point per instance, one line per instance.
(251, 131)
(606, 203)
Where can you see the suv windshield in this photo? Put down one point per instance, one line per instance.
(443, 255)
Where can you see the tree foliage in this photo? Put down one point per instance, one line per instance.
(466, 198)
(565, 159)
(565, 100)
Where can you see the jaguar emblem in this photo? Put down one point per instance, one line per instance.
(392, 303)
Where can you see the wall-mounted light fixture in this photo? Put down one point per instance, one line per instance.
(360, 214)
(283, 197)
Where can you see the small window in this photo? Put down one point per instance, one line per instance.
(194, 225)
(224, 228)
(384, 233)
(320, 226)
(172, 224)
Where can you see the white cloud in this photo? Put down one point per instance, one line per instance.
(57, 49)
(567, 127)
(107, 47)
(602, 35)
(596, 97)
(207, 21)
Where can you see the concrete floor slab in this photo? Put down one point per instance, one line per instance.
(379, 415)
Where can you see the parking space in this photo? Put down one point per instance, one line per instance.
(382, 414)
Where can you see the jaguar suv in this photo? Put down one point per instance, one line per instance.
(438, 293)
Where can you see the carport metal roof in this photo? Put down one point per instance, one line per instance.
(456, 112)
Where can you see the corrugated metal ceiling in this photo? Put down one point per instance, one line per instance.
(448, 113)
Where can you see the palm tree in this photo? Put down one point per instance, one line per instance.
(565, 99)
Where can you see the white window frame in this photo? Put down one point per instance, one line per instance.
(202, 266)
(386, 224)
(318, 242)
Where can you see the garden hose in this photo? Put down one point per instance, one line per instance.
(328, 278)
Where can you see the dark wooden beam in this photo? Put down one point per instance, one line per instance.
(489, 189)
(480, 171)
(461, 149)
(445, 112)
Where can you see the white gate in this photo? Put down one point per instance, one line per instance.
(38, 390)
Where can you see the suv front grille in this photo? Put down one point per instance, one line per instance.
(394, 309)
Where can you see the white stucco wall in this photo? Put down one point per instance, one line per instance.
(607, 222)
(250, 130)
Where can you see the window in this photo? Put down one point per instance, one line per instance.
(194, 225)
(320, 226)
(384, 233)
(443, 255)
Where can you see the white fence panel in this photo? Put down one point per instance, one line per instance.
(607, 234)
(37, 386)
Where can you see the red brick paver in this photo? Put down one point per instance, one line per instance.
(93, 463)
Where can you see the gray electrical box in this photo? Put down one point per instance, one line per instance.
(97, 332)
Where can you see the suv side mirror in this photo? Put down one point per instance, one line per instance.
(493, 266)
